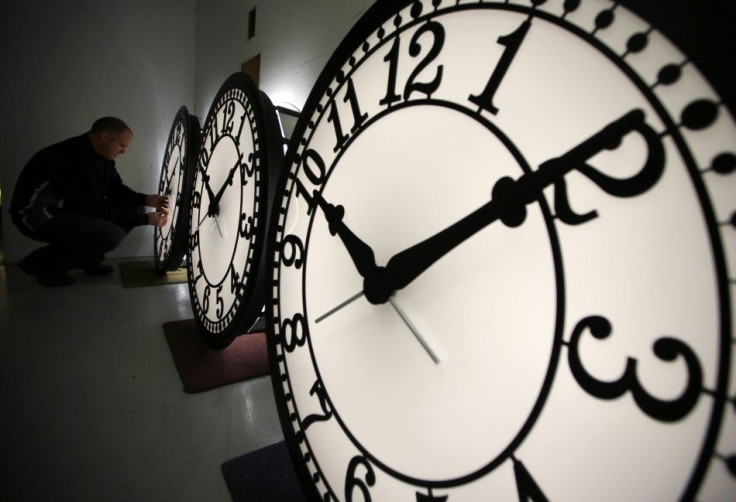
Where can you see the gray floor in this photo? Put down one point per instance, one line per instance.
(91, 405)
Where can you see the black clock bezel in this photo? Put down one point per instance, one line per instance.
(179, 230)
(270, 152)
(379, 13)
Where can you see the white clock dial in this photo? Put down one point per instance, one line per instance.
(498, 265)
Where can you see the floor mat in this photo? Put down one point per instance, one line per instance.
(264, 475)
(202, 368)
(142, 273)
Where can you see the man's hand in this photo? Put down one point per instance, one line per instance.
(160, 202)
(158, 218)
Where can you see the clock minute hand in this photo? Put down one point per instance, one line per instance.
(360, 252)
(508, 204)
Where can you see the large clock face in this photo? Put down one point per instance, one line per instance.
(498, 265)
(176, 183)
(228, 212)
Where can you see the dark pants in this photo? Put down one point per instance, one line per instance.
(77, 240)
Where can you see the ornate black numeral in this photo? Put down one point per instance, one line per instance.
(511, 42)
(358, 117)
(316, 172)
(324, 405)
(212, 135)
(665, 348)
(526, 487)
(334, 117)
(294, 332)
(193, 241)
(196, 200)
(292, 251)
(235, 285)
(352, 481)
(240, 129)
(392, 58)
(637, 184)
(352, 97)
(246, 226)
(247, 168)
(204, 154)
(314, 167)
(438, 33)
(206, 299)
(301, 191)
(219, 302)
(228, 113)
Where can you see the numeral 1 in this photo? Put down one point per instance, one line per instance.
(240, 129)
(511, 42)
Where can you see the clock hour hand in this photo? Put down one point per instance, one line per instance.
(508, 204)
(359, 251)
(210, 207)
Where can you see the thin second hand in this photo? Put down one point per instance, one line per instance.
(343, 304)
(414, 331)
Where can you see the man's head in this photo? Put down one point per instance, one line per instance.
(110, 137)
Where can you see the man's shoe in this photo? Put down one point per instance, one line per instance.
(55, 280)
(26, 267)
(98, 270)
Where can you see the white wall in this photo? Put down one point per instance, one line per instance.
(65, 63)
(294, 37)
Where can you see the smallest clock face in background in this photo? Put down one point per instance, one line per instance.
(176, 183)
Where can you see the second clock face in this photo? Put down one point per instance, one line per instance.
(227, 214)
(498, 266)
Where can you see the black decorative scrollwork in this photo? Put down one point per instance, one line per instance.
(665, 348)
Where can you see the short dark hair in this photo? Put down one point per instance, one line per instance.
(110, 124)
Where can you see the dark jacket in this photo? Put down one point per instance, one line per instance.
(70, 176)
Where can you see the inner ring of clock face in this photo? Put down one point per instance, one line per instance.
(398, 189)
(219, 245)
(173, 187)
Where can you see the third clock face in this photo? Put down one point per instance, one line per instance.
(498, 262)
